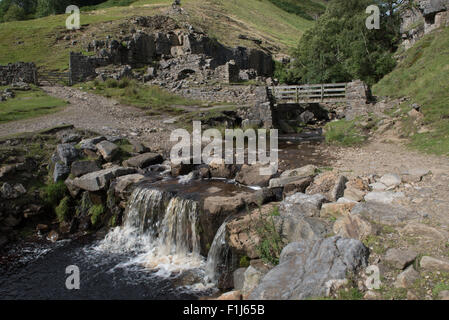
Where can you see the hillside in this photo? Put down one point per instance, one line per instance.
(422, 76)
(265, 20)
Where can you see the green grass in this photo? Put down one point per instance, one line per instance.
(29, 104)
(62, 210)
(131, 92)
(41, 40)
(53, 193)
(422, 75)
(343, 132)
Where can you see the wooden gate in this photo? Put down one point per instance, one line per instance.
(51, 78)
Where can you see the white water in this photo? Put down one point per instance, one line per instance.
(217, 253)
(160, 231)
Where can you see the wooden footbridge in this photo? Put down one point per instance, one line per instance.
(309, 93)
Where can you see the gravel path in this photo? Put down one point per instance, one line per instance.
(430, 196)
(97, 113)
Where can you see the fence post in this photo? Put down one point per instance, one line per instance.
(322, 92)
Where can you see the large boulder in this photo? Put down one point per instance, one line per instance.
(400, 258)
(218, 169)
(8, 191)
(303, 204)
(80, 168)
(242, 232)
(293, 176)
(298, 220)
(354, 226)
(99, 180)
(66, 153)
(384, 214)
(144, 160)
(297, 186)
(107, 149)
(306, 267)
(250, 175)
(386, 197)
(60, 172)
(90, 144)
(123, 182)
(253, 275)
(329, 184)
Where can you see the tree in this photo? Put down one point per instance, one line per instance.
(340, 48)
(14, 13)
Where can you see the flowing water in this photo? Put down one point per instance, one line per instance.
(155, 254)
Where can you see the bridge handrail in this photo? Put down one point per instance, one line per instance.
(304, 93)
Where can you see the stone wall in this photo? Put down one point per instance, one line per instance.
(18, 72)
(83, 67)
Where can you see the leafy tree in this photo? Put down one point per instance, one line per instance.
(14, 13)
(340, 48)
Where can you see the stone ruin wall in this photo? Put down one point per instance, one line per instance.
(18, 72)
(423, 18)
(174, 52)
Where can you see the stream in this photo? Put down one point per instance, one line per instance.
(155, 254)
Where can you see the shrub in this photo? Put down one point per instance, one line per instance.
(123, 83)
(111, 83)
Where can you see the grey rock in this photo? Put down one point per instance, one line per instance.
(66, 153)
(305, 267)
(406, 278)
(8, 191)
(339, 188)
(73, 190)
(386, 197)
(71, 137)
(303, 172)
(354, 226)
(303, 204)
(306, 117)
(91, 143)
(239, 278)
(400, 259)
(390, 180)
(384, 213)
(377, 186)
(124, 182)
(252, 277)
(60, 172)
(250, 175)
(80, 168)
(107, 149)
(139, 147)
(99, 180)
(144, 160)
(434, 264)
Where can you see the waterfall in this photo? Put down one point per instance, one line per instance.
(218, 255)
(160, 229)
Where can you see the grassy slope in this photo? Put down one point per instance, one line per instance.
(423, 76)
(36, 40)
(29, 104)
